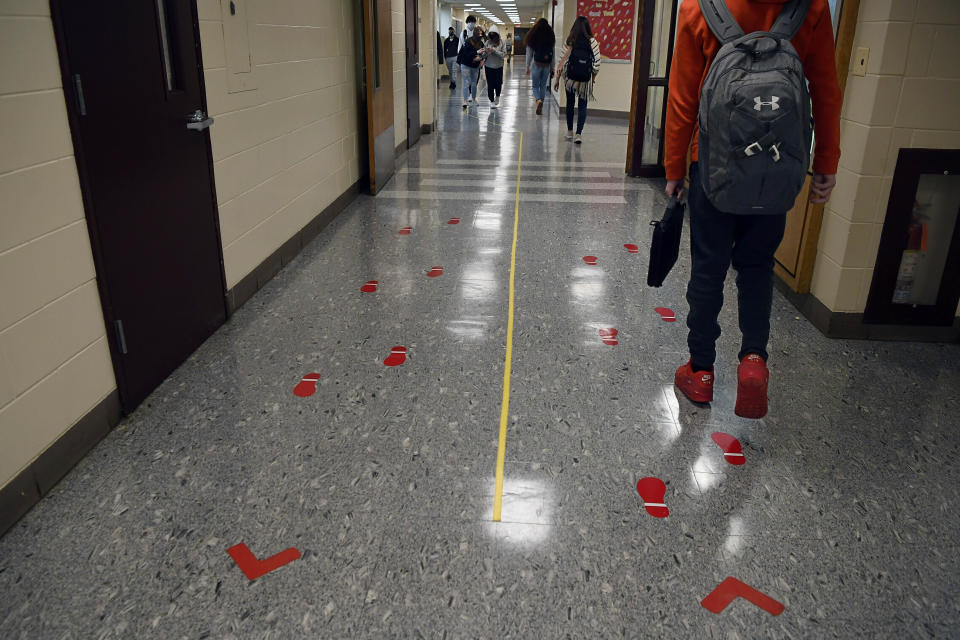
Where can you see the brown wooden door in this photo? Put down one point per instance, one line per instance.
(378, 64)
(412, 37)
(132, 77)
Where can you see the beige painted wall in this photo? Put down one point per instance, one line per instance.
(52, 372)
(910, 97)
(286, 149)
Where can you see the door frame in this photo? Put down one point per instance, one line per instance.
(379, 99)
(72, 100)
(412, 53)
(800, 279)
(642, 82)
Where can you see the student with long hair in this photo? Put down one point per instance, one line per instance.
(494, 53)
(579, 66)
(539, 43)
(469, 60)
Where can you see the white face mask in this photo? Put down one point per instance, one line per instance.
(470, 27)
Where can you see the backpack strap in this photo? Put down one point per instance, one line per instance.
(791, 18)
(721, 21)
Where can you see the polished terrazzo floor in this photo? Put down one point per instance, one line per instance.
(845, 511)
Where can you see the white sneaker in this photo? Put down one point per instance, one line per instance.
(464, 104)
(578, 139)
(569, 135)
(493, 104)
(496, 101)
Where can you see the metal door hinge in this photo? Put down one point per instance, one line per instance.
(78, 90)
(121, 337)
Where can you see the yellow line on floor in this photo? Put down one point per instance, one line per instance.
(505, 407)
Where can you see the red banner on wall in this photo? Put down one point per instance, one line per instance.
(612, 25)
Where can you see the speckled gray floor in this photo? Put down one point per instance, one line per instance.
(846, 510)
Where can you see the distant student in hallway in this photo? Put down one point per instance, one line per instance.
(469, 60)
(579, 66)
(539, 44)
(494, 53)
(509, 41)
(746, 175)
(450, 48)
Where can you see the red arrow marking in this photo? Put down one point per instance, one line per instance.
(731, 589)
(253, 568)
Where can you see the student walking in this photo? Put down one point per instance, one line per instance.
(539, 44)
(579, 66)
(757, 164)
(451, 46)
(494, 54)
(469, 60)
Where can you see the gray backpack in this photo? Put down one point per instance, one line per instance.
(754, 119)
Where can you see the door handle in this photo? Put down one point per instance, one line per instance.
(198, 121)
(418, 65)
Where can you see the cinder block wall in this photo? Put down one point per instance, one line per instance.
(910, 97)
(286, 148)
(54, 359)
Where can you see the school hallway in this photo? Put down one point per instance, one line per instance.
(382, 474)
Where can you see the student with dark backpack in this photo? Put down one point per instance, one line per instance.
(579, 66)
(469, 60)
(539, 44)
(749, 160)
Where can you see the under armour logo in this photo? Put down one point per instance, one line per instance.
(774, 103)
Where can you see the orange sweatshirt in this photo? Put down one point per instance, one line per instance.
(694, 51)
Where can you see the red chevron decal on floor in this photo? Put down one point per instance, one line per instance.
(731, 589)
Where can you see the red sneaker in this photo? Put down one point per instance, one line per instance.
(752, 379)
(696, 385)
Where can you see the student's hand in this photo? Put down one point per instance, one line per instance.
(528, 71)
(674, 187)
(821, 186)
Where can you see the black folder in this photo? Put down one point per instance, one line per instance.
(666, 242)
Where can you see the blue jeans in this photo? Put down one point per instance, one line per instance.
(540, 76)
(581, 111)
(717, 239)
(469, 75)
(451, 67)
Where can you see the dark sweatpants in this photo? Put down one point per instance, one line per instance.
(494, 82)
(716, 240)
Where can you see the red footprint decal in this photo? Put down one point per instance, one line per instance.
(307, 386)
(398, 355)
(632, 248)
(591, 260)
(732, 451)
(435, 272)
(667, 314)
(370, 287)
(453, 221)
(405, 231)
(609, 336)
(652, 490)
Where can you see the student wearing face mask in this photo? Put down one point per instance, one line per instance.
(468, 31)
(450, 48)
